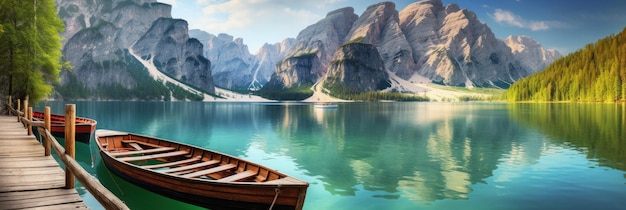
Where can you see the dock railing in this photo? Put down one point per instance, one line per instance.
(72, 169)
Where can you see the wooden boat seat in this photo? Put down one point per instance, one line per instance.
(209, 171)
(154, 156)
(145, 151)
(192, 166)
(136, 146)
(238, 177)
(142, 143)
(168, 164)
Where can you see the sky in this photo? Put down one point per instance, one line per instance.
(564, 25)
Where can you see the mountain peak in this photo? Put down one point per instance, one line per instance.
(341, 11)
(531, 53)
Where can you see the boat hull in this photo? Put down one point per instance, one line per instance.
(84, 126)
(210, 193)
(326, 106)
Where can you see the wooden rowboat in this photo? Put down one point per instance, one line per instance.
(196, 175)
(84, 126)
(326, 106)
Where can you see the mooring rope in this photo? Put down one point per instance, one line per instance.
(93, 156)
(277, 190)
(115, 182)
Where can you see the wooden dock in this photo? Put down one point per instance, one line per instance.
(28, 179)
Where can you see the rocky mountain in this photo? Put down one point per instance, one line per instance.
(357, 67)
(168, 46)
(424, 41)
(380, 25)
(309, 58)
(451, 46)
(233, 66)
(97, 38)
(530, 53)
(265, 61)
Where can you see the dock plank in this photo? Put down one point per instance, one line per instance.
(28, 179)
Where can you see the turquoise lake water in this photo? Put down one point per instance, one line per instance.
(393, 155)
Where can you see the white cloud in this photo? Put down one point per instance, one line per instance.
(256, 21)
(237, 14)
(503, 16)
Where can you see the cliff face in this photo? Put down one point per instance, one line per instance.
(530, 53)
(441, 43)
(136, 16)
(265, 61)
(451, 46)
(168, 46)
(308, 59)
(98, 35)
(357, 67)
(380, 25)
(233, 66)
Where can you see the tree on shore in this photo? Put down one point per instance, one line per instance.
(596, 73)
(30, 48)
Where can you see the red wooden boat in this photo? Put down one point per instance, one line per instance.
(196, 175)
(84, 126)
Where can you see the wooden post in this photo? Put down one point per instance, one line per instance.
(25, 110)
(46, 120)
(70, 135)
(18, 109)
(10, 105)
(29, 116)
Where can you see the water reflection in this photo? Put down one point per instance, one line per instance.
(598, 129)
(393, 153)
(422, 152)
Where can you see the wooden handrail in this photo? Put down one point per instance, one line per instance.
(105, 197)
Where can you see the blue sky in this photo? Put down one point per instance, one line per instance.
(558, 24)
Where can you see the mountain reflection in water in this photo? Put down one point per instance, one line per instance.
(402, 155)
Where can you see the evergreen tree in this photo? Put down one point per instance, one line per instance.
(594, 73)
(30, 47)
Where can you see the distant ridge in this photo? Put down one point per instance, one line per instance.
(425, 42)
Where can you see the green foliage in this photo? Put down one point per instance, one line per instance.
(143, 88)
(296, 93)
(305, 55)
(355, 40)
(339, 90)
(596, 73)
(181, 94)
(31, 48)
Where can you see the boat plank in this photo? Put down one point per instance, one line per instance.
(192, 166)
(239, 176)
(192, 178)
(146, 151)
(168, 164)
(210, 171)
(141, 142)
(136, 146)
(154, 156)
